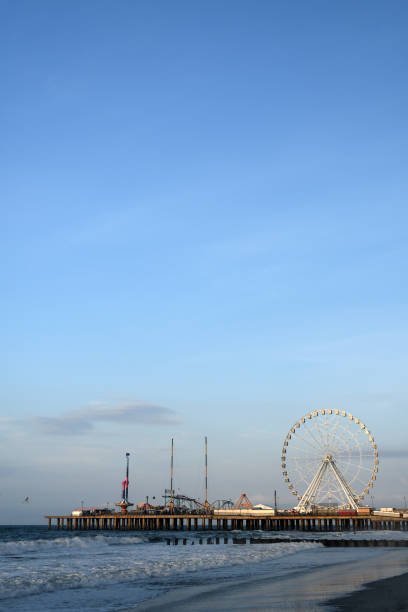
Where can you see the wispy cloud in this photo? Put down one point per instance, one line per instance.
(394, 453)
(83, 420)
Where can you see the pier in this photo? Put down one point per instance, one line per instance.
(195, 522)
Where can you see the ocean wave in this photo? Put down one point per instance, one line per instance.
(75, 542)
(162, 565)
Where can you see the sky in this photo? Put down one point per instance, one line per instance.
(204, 233)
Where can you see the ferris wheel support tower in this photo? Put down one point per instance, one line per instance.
(312, 490)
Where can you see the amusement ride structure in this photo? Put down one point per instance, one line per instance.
(124, 502)
(329, 460)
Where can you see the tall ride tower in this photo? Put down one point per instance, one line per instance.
(124, 502)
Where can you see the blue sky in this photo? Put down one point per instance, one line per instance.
(204, 221)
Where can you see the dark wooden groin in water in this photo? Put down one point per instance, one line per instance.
(189, 522)
(333, 543)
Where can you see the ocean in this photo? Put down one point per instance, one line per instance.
(43, 570)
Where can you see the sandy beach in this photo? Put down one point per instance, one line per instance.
(337, 587)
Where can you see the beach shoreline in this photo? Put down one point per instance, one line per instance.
(336, 587)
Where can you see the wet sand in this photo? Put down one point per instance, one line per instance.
(316, 590)
(387, 595)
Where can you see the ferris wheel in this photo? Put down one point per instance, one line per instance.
(329, 459)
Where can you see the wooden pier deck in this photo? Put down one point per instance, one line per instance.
(189, 522)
